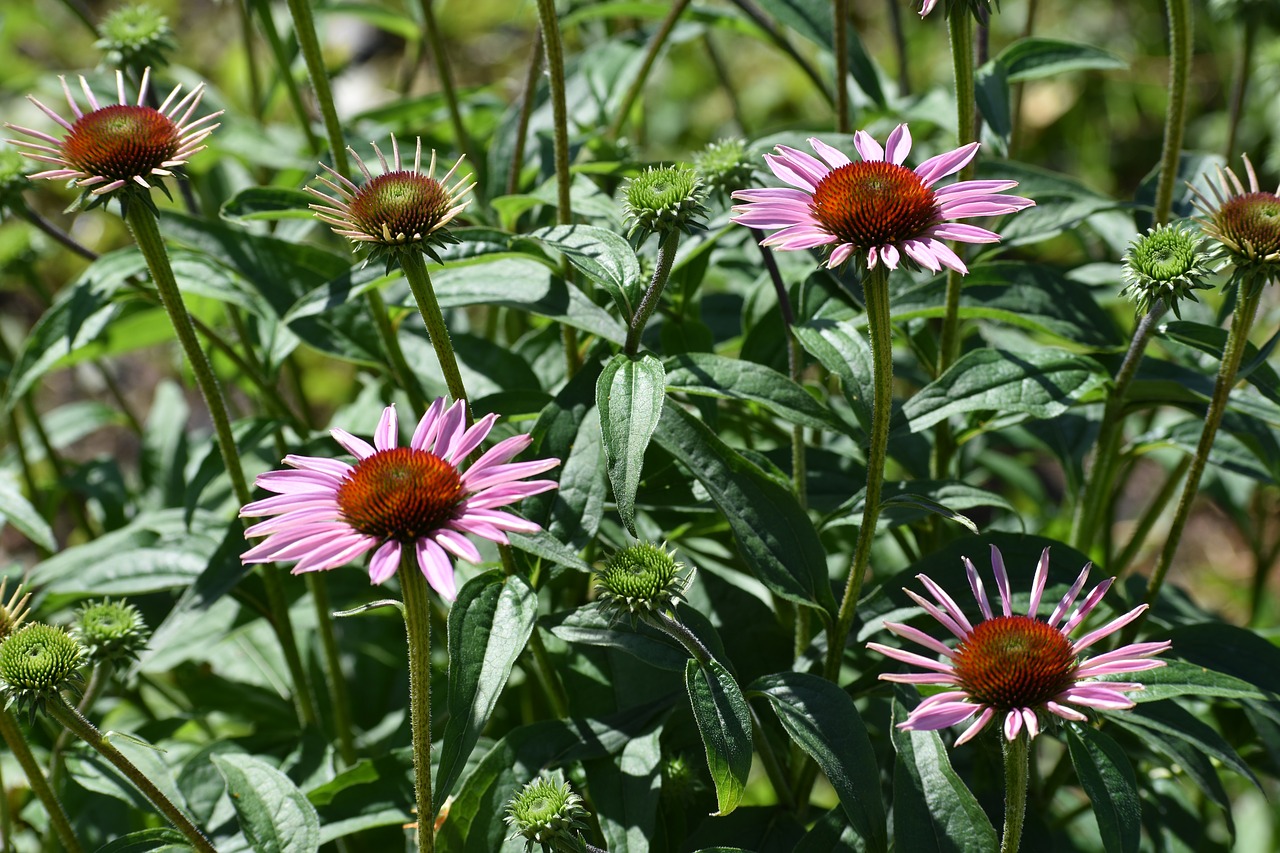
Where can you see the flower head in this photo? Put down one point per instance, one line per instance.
(328, 512)
(37, 662)
(664, 199)
(135, 37)
(641, 578)
(120, 145)
(547, 812)
(1245, 220)
(1013, 665)
(400, 209)
(724, 167)
(110, 631)
(876, 209)
(1166, 265)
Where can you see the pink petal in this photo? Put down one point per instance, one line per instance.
(1065, 603)
(1091, 601)
(1037, 585)
(1002, 582)
(452, 426)
(840, 254)
(867, 146)
(889, 254)
(911, 658)
(936, 168)
(919, 253)
(978, 725)
(946, 621)
(1012, 724)
(437, 569)
(338, 471)
(385, 562)
(357, 447)
(899, 145)
(472, 438)
(975, 584)
(940, 595)
(1110, 628)
(834, 156)
(458, 545)
(766, 195)
(387, 434)
(963, 233)
(918, 636)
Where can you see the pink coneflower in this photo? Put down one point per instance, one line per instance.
(1244, 219)
(1016, 665)
(328, 512)
(877, 208)
(398, 208)
(122, 143)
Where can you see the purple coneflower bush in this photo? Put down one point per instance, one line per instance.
(1014, 665)
(121, 143)
(327, 512)
(876, 208)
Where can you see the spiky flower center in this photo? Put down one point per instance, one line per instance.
(121, 142)
(1251, 223)
(874, 203)
(110, 629)
(545, 810)
(642, 574)
(1164, 255)
(1015, 662)
(401, 207)
(400, 494)
(39, 658)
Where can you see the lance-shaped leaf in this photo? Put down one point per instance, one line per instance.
(1107, 777)
(629, 395)
(274, 815)
(724, 721)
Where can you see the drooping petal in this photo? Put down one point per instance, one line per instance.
(385, 561)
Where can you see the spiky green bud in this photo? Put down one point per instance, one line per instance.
(37, 662)
(725, 167)
(662, 200)
(135, 37)
(641, 578)
(110, 631)
(1166, 265)
(547, 812)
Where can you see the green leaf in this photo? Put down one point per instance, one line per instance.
(267, 203)
(708, 375)
(933, 810)
(1212, 340)
(625, 791)
(813, 20)
(823, 720)
(589, 625)
(375, 792)
(1062, 203)
(274, 815)
(1035, 58)
(489, 624)
(18, 511)
(602, 255)
(1035, 297)
(843, 349)
(1179, 678)
(1169, 718)
(629, 396)
(1041, 383)
(724, 721)
(774, 534)
(543, 544)
(912, 500)
(1108, 778)
(157, 840)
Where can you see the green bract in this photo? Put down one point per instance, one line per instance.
(663, 199)
(110, 630)
(547, 812)
(37, 662)
(724, 166)
(1166, 264)
(642, 578)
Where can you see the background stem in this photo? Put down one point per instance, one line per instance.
(304, 26)
(39, 784)
(417, 625)
(1175, 117)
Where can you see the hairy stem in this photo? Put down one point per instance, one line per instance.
(339, 697)
(39, 784)
(417, 625)
(281, 57)
(1240, 84)
(875, 286)
(1017, 766)
(670, 241)
(415, 272)
(1180, 26)
(840, 48)
(86, 731)
(304, 26)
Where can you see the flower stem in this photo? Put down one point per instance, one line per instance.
(86, 731)
(1148, 519)
(286, 75)
(400, 370)
(1233, 353)
(670, 241)
(840, 48)
(415, 272)
(146, 232)
(875, 286)
(656, 42)
(436, 46)
(1244, 64)
(1017, 767)
(417, 626)
(304, 27)
(1180, 26)
(339, 698)
(1098, 483)
(527, 98)
(39, 784)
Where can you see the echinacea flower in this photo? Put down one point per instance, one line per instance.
(1166, 265)
(327, 512)
(120, 144)
(1013, 665)
(876, 208)
(1245, 220)
(399, 209)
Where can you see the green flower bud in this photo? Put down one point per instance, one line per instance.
(725, 167)
(547, 812)
(642, 578)
(680, 778)
(135, 37)
(1165, 265)
(37, 662)
(110, 631)
(663, 200)
(13, 611)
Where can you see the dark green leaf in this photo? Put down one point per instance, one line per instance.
(774, 534)
(602, 255)
(592, 626)
(629, 396)
(268, 203)
(1062, 203)
(152, 840)
(624, 791)
(724, 721)
(1040, 383)
(1107, 777)
(1179, 678)
(375, 792)
(1035, 58)
(489, 624)
(711, 375)
(1212, 340)
(18, 511)
(843, 349)
(933, 810)
(274, 815)
(823, 720)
